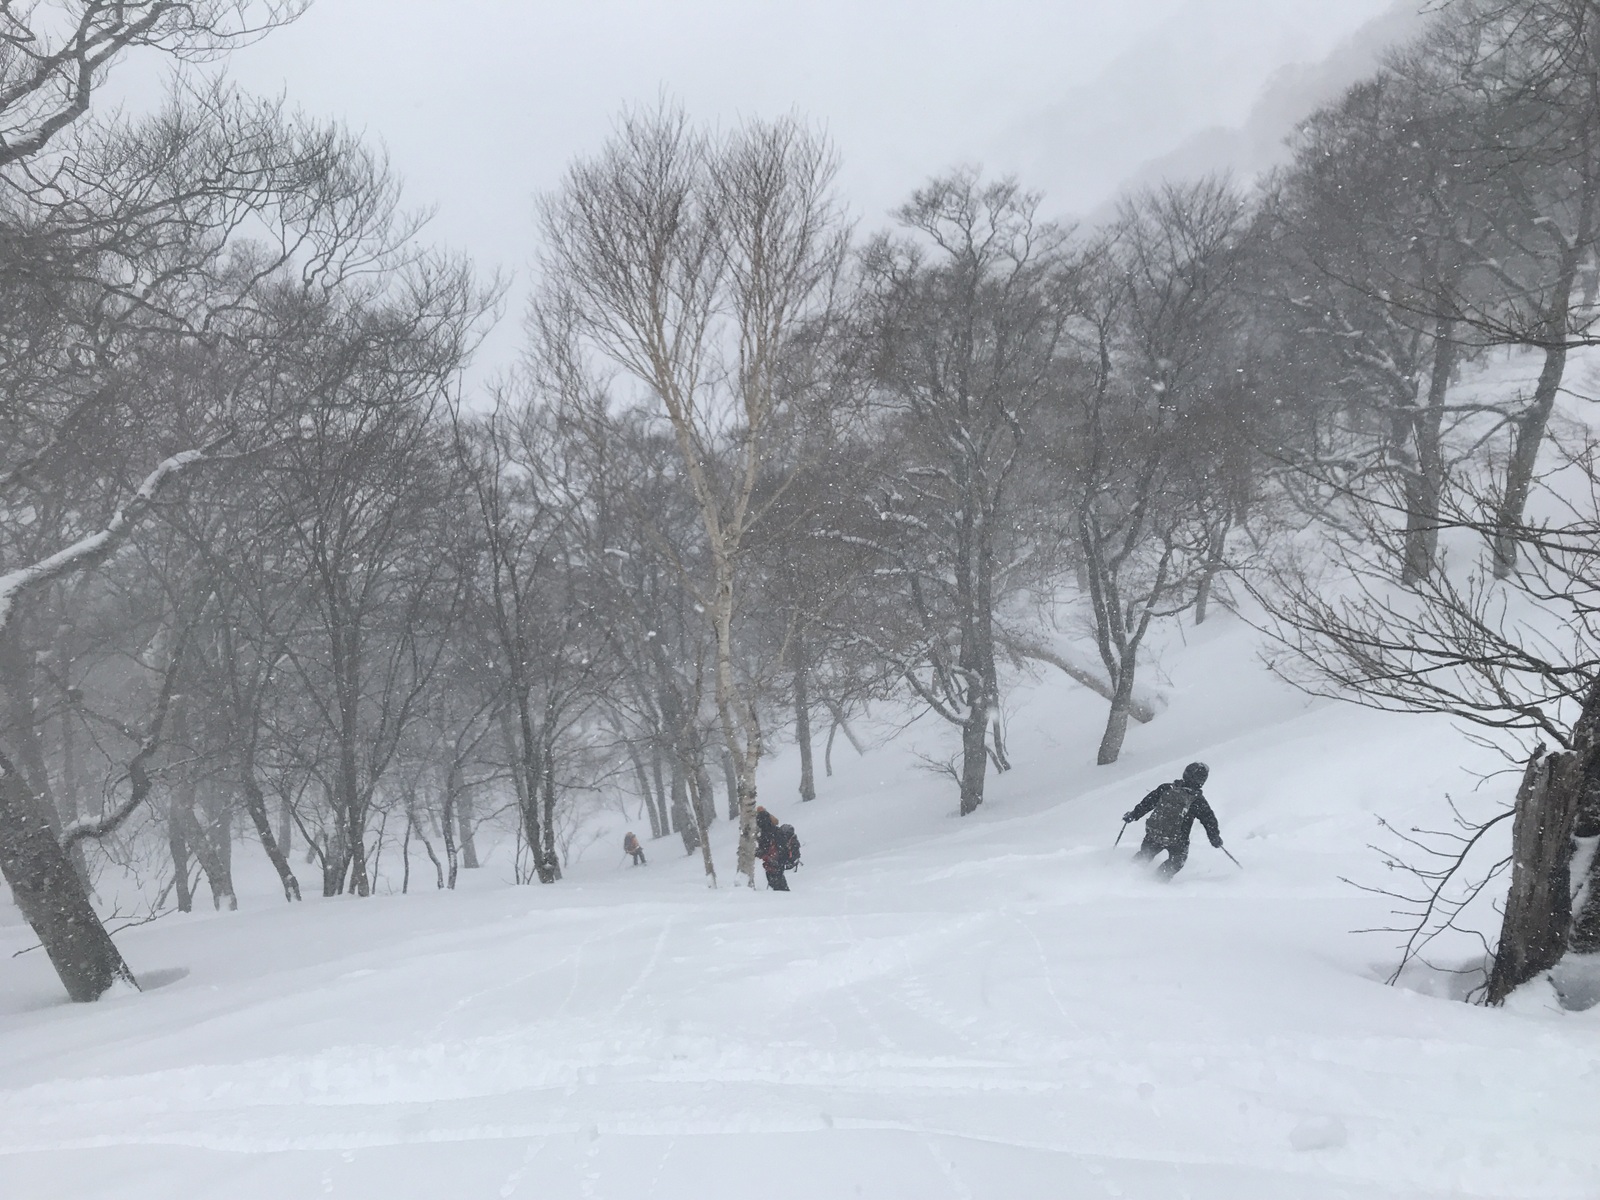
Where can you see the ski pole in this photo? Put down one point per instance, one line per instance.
(1120, 832)
(1229, 853)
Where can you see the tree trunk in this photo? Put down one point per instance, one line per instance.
(975, 597)
(333, 852)
(703, 805)
(405, 859)
(741, 731)
(645, 794)
(467, 829)
(20, 729)
(523, 749)
(71, 806)
(347, 788)
(51, 896)
(974, 757)
(414, 826)
(1425, 485)
(178, 846)
(705, 798)
(1121, 703)
(730, 780)
(285, 823)
(1527, 438)
(802, 720)
(213, 848)
(1538, 910)
(1529, 428)
(1215, 555)
(548, 778)
(447, 825)
(837, 712)
(683, 822)
(1585, 933)
(212, 865)
(255, 804)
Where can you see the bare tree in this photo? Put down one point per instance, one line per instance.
(1154, 412)
(968, 309)
(135, 236)
(688, 262)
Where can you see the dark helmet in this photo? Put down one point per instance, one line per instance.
(1195, 774)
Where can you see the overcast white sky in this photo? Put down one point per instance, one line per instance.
(482, 102)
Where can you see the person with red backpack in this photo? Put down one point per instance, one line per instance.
(630, 845)
(778, 848)
(1173, 808)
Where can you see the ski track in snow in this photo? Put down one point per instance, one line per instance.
(988, 1009)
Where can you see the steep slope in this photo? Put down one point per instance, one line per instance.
(995, 1007)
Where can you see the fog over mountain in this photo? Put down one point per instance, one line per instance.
(1163, 110)
(1258, 142)
(483, 111)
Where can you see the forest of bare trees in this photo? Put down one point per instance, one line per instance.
(274, 582)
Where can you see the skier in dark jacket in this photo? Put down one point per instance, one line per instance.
(769, 849)
(1173, 808)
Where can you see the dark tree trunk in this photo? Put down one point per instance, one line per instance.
(703, 805)
(71, 805)
(202, 844)
(1528, 431)
(255, 804)
(214, 852)
(705, 799)
(802, 719)
(415, 826)
(974, 758)
(285, 823)
(1425, 485)
(648, 797)
(1121, 703)
(683, 822)
(178, 845)
(1538, 910)
(19, 727)
(447, 825)
(517, 730)
(548, 782)
(1585, 933)
(351, 805)
(975, 597)
(1216, 553)
(405, 859)
(467, 829)
(838, 723)
(334, 855)
(51, 896)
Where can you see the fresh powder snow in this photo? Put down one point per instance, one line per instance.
(999, 1007)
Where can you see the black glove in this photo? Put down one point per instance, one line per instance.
(1128, 818)
(1217, 842)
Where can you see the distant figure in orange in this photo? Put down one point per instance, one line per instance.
(630, 845)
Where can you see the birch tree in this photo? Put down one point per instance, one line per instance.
(689, 260)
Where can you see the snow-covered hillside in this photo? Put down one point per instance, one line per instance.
(1002, 1006)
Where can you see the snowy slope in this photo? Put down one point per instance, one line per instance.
(994, 1007)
